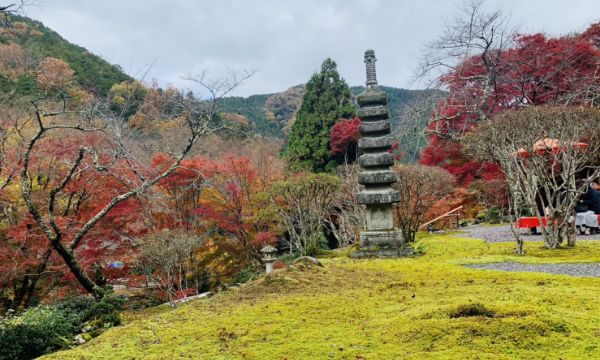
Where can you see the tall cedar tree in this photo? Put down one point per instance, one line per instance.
(326, 101)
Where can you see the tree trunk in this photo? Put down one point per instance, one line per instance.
(78, 271)
(571, 234)
(20, 293)
(24, 296)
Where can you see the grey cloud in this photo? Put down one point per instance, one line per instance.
(286, 40)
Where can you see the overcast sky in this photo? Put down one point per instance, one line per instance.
(285, 40)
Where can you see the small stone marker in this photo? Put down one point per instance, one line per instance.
(269, 257)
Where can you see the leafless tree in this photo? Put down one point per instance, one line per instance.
(167, 257)
(550, 155)
(420, 187)
(473, 37)
(346, 216)
(3, 168)
(14, 7)
(412, 131)
(304, 203)
(48, 120)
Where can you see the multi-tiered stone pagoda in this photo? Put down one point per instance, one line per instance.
(380, 237)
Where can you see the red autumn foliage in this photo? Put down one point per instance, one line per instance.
(460, 197)
(343, 140)
(232, 206)
(30, 268)
(278, 264)
(538, 70)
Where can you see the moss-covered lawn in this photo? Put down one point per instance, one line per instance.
(420, 308)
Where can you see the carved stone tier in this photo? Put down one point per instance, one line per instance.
(382, 143)
(377, 177)
(373, 113)
(374, 128)
(367, 98)
(370, 160)
(377, 196)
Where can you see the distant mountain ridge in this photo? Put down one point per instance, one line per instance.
(273, 114)
(269, 115)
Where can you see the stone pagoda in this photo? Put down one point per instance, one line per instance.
(380, 237)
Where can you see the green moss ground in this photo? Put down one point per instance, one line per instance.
(380, 309)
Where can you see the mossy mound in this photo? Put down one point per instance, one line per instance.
(428, 307)
(468, 310)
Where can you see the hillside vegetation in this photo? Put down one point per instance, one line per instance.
(274, 114)
(92, 73)
(429, 307)
(265, 114)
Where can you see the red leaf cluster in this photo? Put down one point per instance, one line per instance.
(538, 70)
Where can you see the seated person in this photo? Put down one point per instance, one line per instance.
(587, 209)
(591, 199)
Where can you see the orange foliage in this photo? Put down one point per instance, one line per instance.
(464, 197)
(12, 60)
(54, 74)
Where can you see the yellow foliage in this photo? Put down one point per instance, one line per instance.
(411, 308)
(79, 97)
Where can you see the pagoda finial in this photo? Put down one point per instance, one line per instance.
(371, 71)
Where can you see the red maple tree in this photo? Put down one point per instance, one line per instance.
(537, 70)
(343, 140)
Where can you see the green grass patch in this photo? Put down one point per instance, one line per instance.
(427, 307)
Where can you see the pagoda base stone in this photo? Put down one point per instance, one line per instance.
(382, 244)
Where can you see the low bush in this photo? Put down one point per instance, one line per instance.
(47, 328)
(247, 274)
(288, 258)
(33, 333)
(83, 309)
(419, 248)
(494, 215)
(480, 217)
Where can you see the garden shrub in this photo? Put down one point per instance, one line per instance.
(33, 333)
(480, 217)
(494, 215)
(47, 328)
(419, 248)
(288, 258)
(83, 309)
(245, 275)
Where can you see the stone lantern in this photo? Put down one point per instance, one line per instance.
(379, 237)
(269, 257)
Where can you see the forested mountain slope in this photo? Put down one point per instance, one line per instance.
(92, 73)
(266, 114)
